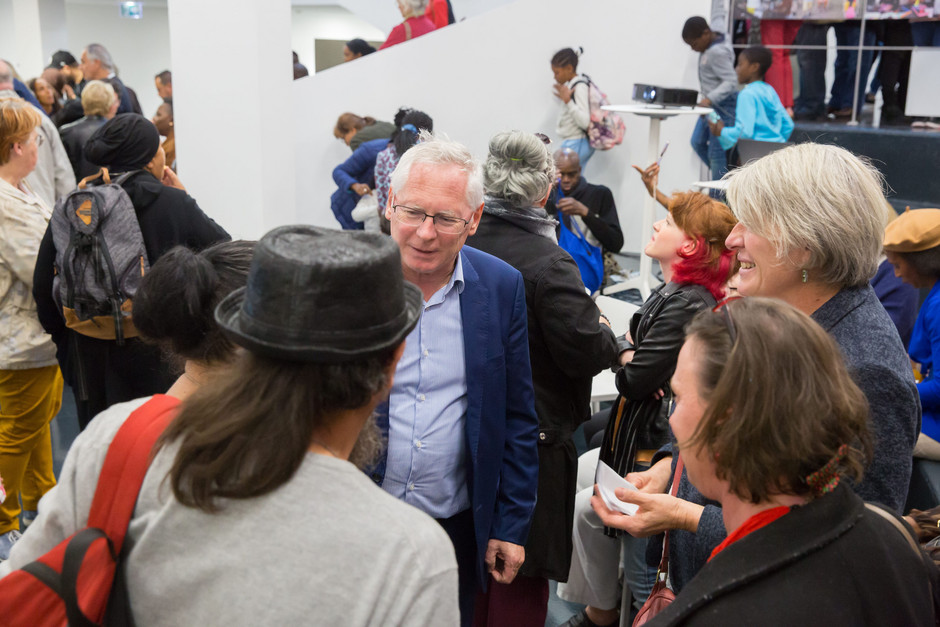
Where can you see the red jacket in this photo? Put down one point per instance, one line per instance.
(418, 26)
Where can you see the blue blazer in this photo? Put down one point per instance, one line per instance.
(501, 426)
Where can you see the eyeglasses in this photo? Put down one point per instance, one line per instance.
(722, 308)
(409, 216)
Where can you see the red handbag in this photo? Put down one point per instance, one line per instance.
(661, 596)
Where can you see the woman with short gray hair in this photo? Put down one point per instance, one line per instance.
(811, 220)
(569, 343)
(416, 23)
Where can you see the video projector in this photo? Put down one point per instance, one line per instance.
(666, 96)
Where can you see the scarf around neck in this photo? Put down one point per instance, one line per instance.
(532, 219)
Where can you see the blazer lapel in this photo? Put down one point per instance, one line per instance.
(474, 314)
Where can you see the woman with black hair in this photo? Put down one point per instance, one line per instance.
(408, 123)
(356, 48)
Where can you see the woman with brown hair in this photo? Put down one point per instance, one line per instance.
(355, 130)
(251, 512)
(689, 246)
(802, 547)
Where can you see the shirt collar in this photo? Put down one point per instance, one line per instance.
(456, 279)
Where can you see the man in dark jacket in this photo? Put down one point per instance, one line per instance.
(100, 104)
(101, 372)
(592, 205)
(97, 65)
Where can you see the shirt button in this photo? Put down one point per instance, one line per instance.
(411, 487)
(425, 352)
(418, 444)
(421, 397)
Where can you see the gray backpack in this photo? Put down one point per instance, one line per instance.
(100, 259)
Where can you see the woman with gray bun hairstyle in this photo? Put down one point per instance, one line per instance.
(569, 342)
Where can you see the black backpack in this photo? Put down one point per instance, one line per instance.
(100, 258)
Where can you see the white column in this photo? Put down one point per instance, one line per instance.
(233, 110)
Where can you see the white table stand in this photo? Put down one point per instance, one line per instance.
(656, 115)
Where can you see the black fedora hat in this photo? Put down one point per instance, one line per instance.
(321, 295)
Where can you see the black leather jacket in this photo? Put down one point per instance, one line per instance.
(658, 330)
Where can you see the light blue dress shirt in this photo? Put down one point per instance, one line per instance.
(759, 115)
(427, 441)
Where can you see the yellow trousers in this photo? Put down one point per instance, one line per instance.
(29, 400)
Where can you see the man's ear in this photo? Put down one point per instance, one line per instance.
(475, 219)
(389, 204)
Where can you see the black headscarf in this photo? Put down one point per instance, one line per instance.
(126, 142)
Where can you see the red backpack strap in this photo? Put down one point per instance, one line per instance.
(125, 466)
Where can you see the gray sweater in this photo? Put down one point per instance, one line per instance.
(326, 548)
(716, 73)
(879, 365)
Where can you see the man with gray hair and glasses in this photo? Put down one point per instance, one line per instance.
(461, 423)
(97, 65)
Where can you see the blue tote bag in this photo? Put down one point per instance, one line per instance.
(590, 258)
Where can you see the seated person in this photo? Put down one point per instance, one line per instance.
(592, 206)
(912, 244)
(801, 545)
(355, 178)
(759, 114)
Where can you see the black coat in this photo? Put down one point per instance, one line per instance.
(658, 330)
(101, 372)
(74, 137)
(567, 346)
(830, 562)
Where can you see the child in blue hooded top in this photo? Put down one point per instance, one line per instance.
(760, 114)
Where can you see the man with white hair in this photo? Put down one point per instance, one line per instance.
(53, 177)
(97, 65)
(461, 423)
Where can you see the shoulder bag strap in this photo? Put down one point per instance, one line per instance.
(125, 466)
(664, 562)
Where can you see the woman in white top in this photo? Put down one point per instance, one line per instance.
(30, 382)
(573, 93)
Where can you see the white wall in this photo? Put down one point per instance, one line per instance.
(232, 105)
(327, 22)
(492, 73)
(140, 48)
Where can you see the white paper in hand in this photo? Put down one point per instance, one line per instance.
(607, 482)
